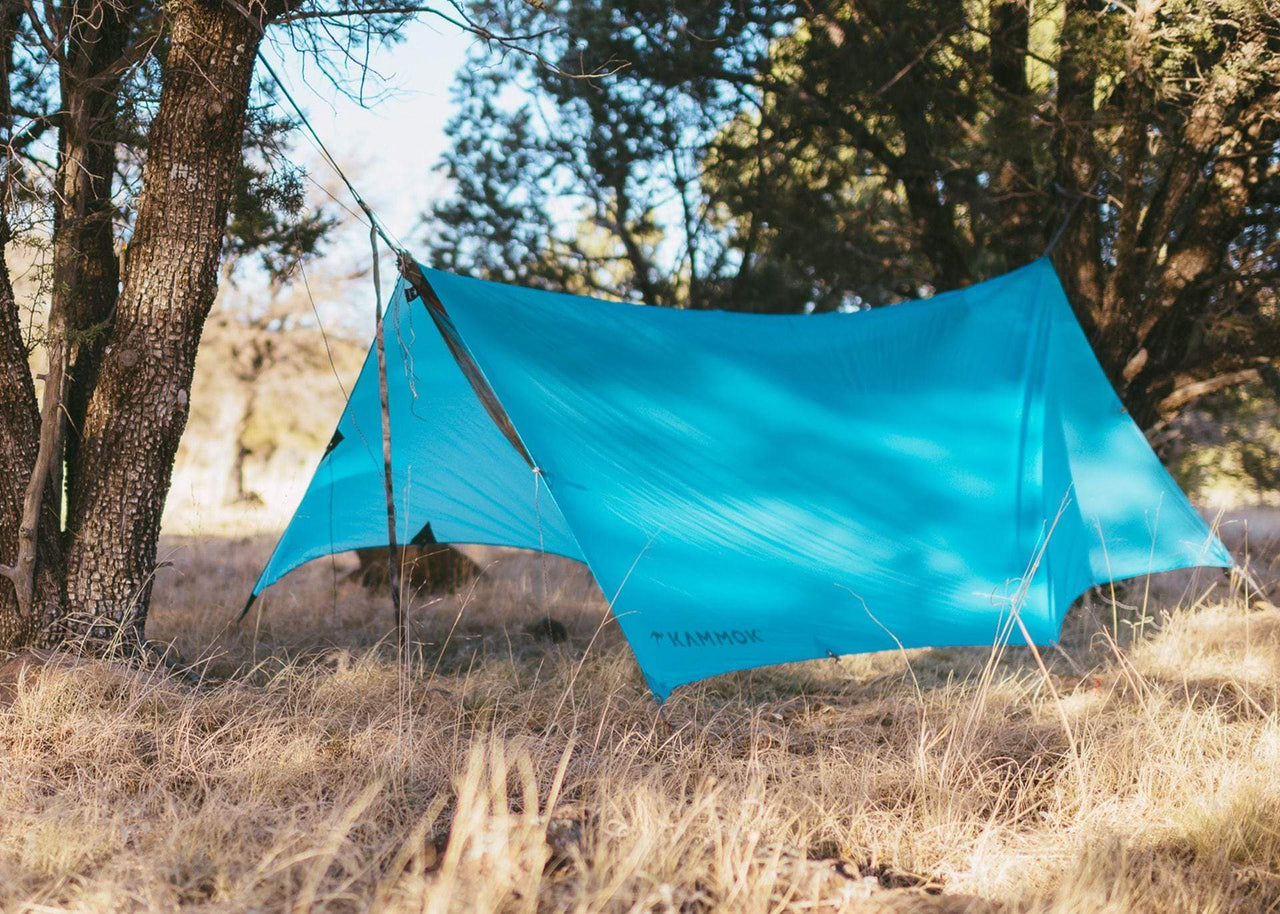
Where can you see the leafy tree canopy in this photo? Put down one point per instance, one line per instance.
(791, 157)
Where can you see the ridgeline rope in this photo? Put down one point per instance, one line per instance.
(376, 231)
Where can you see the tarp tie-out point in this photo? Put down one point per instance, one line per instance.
(756, 489)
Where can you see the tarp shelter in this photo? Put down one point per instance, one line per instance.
(755, 489)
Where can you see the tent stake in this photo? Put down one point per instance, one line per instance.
(393, 562)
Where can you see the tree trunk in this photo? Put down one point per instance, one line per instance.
(86, 274)
(1121, 306)
(1174, 333)
(19, 444)
(1013, 185)
(1078, 256)
(139, 405)
(236, 493)
(20, 430)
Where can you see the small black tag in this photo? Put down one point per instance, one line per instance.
(333, 442)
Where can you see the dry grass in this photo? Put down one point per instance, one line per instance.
(507, 773)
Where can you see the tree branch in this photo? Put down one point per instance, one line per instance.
(1188, 393)
(49, 452)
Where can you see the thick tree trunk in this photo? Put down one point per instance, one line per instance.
(86, 275)
(139, 405)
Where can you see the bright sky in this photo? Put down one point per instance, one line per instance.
(389, 148)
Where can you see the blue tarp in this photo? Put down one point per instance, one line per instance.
(751, 489)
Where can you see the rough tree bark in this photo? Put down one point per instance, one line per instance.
(139, 405)
(19, 437)
(86, 275)
(81, 225)
(20, 433)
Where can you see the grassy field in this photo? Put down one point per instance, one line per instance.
(506, 772)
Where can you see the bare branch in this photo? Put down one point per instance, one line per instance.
(398, 10)
(1193, 391)
(48, 455)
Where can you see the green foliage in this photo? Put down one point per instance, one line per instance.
(272, 222)
(757, 158)
(272, 225)
(1230, 442)
(797, 157)
(593, 184)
